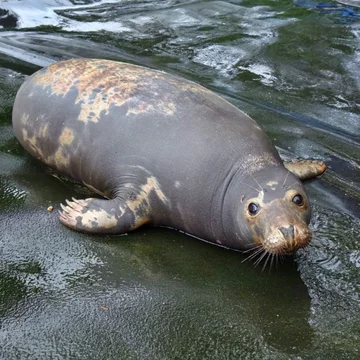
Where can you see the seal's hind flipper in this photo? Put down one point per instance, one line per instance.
(98, 216)
(306, 169)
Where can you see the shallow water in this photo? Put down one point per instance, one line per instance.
(294, 66)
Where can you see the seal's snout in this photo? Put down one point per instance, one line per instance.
(293, 238)
(286, 239)
(288, 232)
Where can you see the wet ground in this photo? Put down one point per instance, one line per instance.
(294, 66)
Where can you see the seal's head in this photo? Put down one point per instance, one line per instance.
(276, 211)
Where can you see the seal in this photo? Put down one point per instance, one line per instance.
(163, 151)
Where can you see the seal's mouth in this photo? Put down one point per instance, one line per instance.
(286, 239)
(280, 234)
(279, 241)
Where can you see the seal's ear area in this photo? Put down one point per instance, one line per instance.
(306, 169)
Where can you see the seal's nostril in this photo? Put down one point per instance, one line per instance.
(288, 232)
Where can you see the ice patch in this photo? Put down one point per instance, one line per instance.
(96, 26)
(265, 72)
(220, 57)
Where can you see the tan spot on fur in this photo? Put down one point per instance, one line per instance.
(153, 185)
(93, 100)
(101, 84)
(167, 108)
(87, 78)
(44, 131)
(32, 142)
(143, 196)
(133, 205)
(25, 119)
(142, 201)
(59, 159)
(122, 211)
(142, 107)
(164, 107)
(87, 111)
(66, 137)
(140, 221)
(100, 217)
(272, 183)
(58, 82)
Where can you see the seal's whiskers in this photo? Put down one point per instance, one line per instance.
(274, 256)
(253, 255)
(287, 175)
(266, 261)
(258, 261)
(291, 185)
(251, 249)
(252, 187)
(261, 188)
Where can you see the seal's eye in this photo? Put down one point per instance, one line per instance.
(253, 209)
(298, 200)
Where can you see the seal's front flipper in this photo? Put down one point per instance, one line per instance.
(99, 216)
(306, 169)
